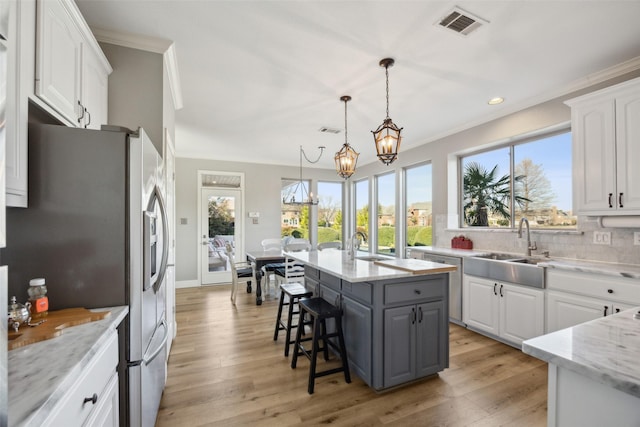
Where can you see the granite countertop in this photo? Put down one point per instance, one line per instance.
(337, 263)
(605, 350)
(41, 373)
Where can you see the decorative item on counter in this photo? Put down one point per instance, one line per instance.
(38, 298)
(18, 314)
(461, 242)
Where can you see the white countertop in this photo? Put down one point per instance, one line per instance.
(611, 269)
(605, 350)
(462, 253)
(337, 263)
(41, 373)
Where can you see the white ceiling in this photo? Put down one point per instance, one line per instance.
(260, 78)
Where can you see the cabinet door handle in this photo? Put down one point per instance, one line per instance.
(617, 310)
(417, 291)
(606, 309)
(610, 196)
(93, 399)
(610, 291)
(413, 316)
(82, 110)
(620, 200)
(494, 289)
(420, 314)
(89, 114)
(501, 296)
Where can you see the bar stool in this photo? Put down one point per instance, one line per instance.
(294, 292)
(319, 310)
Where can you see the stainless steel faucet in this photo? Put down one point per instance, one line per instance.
(530, 246)
(354, 244)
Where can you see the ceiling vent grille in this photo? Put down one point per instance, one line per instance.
(461, 22)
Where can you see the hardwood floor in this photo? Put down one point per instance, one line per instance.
(225, 369)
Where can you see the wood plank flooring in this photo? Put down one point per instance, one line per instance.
(226, 370)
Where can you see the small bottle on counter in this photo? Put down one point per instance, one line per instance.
(38, 298)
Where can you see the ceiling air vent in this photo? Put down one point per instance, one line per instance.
(461, 22)
(325, 129)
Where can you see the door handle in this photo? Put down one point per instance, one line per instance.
(620, 200)
(501, 296)
(413, 315)
(494, 289)
(420, 314)
(606, 309)
(610, 196)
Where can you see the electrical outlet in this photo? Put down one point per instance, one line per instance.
(602, 237)
(636, 238)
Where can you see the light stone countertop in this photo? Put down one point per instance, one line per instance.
(605, 350)
(462, 253)
(610, 269)
(337, 263)
(41, 373)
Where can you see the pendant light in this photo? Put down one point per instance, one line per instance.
(347, 157)
(300, 188)
(387, 137)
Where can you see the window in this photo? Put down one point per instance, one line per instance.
(329, 211)
(418, 209)
(361, 197)
(386, 213)
(529, 178)
(294, 218)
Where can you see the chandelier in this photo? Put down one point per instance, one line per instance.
(305, 197)
(387, 137)
(347, 157)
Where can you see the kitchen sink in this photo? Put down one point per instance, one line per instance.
(506, 267)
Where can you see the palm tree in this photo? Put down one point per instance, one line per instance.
(485, 193)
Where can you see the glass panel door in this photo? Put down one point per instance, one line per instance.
(220, 208)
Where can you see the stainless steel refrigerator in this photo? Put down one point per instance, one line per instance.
(95, 229)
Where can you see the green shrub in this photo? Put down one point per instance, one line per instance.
(423, 237)
(328, 235)
(386, 236)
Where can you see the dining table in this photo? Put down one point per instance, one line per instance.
(260, 259)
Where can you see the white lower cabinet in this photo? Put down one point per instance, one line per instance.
(574, 297)
(511, 312)
(93, 399)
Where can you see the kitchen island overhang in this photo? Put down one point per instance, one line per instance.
(395, 321)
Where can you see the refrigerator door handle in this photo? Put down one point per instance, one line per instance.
(157, 195)
(148, 358)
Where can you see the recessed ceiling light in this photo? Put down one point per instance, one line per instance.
(495, 101)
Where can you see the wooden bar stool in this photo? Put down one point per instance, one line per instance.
(294, 292)
(320, 310)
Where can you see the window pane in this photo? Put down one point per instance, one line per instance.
(486, 198)
(329, 212)
(386, 224)
(361, 196)
(543, 182)
(418, 231)
(295, 218)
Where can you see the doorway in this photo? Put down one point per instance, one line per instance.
(220, 226)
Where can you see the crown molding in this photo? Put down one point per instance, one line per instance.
(149, 44)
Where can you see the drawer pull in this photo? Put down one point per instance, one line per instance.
(93, 399)
(610, 291)
(417, 291)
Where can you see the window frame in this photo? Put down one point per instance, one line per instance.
(511, 143)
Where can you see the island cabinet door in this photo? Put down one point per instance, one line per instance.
(357, 325)
(431, 346)
(399, 345)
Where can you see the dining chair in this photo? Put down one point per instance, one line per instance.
(329, 245)
(241, 272)
(268, 245)
(293, 270)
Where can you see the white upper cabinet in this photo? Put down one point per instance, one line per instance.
(71, 70)
(606, 130)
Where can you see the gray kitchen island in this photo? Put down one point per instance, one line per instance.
(395, 319)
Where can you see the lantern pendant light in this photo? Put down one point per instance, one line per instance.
(387, 137)
(347, 157)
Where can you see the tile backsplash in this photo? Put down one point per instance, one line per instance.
(575, 244)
